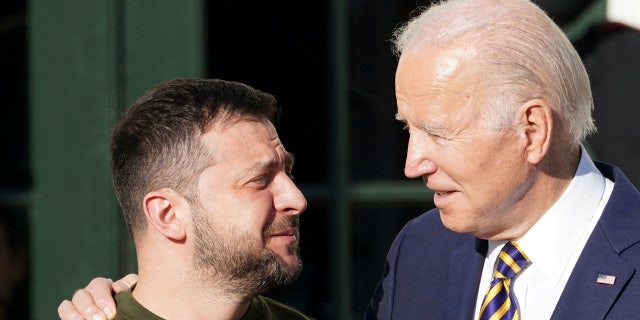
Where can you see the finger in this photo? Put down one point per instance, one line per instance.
(125, 283)
(102, 297)
(66, 311)
(84, 304)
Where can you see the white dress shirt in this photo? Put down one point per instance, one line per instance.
(553, 244)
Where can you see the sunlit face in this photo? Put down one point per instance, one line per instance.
(246, 223)
(478, 174)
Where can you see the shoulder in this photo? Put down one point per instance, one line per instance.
(623, 189)
(622, 183)
(621, 217)
(127, 308)
(426, 231)
(422, 245)
(272, 309)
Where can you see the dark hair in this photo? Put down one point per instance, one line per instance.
(157, 143)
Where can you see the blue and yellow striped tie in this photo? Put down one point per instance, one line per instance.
(499, 302)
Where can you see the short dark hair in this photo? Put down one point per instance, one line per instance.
(157, 142)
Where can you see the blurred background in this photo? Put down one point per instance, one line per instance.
(69, 67)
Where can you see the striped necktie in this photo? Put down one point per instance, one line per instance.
(499, 302)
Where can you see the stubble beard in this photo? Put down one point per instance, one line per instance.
(229, 263)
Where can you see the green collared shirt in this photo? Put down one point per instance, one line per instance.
(261, 308)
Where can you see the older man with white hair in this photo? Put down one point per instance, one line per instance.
(497, 101)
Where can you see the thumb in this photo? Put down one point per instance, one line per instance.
(125, 283)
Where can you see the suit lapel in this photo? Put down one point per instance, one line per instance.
(583, 297)
(465, 268)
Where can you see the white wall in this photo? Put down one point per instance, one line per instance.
(624, 11)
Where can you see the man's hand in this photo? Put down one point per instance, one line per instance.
(95, 302)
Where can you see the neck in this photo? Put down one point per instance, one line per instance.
(548, 181)
(174, 291)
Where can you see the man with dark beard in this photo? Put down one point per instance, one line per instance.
(205, 188)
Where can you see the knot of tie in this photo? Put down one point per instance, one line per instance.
(510, 261)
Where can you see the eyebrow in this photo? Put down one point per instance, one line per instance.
(434, 129)
(271, 163)
(431, 129)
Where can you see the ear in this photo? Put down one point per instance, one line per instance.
(162, 208)
(537, 118)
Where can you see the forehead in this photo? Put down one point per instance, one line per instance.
(243, 140)
(442, 80)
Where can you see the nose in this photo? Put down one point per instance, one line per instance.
(289, 199)
(418, 163)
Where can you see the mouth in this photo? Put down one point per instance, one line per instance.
(285, 233)
(437, 191)
(441, 197)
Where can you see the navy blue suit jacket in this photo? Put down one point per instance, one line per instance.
(433, 273)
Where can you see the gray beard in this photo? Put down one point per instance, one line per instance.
(228, 264)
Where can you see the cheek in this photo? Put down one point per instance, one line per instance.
(501, 181)
(255, 212)
(453, 161)
(499, 159)
(482, 175)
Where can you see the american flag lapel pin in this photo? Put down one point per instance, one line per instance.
(606, 279)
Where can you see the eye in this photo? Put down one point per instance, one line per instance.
(261, 181)
(263, 177)
(436, 133)
(437, 137)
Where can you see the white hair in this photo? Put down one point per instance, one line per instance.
(523, 54)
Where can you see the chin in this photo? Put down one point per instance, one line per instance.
(292, 263)
(455, 224)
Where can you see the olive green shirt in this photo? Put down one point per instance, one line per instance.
(261, 308)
